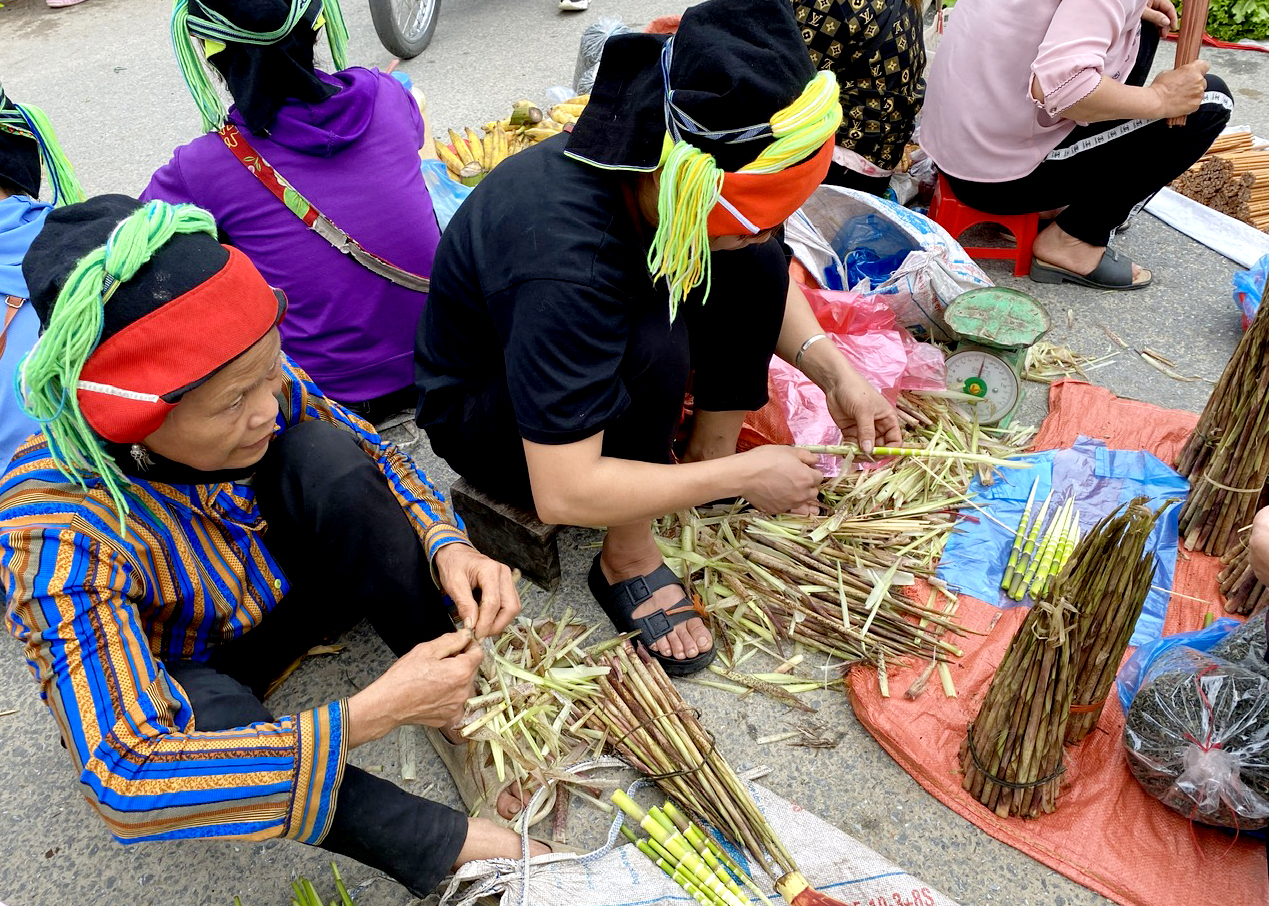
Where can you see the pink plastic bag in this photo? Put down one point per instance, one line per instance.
(865, 329)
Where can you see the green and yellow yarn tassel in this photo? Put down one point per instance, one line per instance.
(692, 183)
(46, 380)
(216, 27)
(66, 188)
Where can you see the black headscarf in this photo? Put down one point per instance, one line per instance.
(19, 154)
(735, 63)
(262, 78)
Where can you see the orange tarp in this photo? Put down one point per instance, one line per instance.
(1107, 833)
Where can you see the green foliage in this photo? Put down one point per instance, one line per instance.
(1233, 20)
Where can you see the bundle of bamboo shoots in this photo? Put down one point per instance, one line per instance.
(1227, 456)
(1244, 593)
(1038, 556)
(1108, 578)
(525, 718)
(652, 728)
(1011, 758)
(690, 857)
(1232, 177)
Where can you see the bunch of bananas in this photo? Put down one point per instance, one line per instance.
(470, 156)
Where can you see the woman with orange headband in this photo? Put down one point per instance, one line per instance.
(587, 279)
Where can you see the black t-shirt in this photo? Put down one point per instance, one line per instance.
(536, 282)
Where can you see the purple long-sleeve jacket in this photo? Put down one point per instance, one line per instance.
(355, 157)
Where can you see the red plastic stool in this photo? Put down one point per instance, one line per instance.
(956, 217)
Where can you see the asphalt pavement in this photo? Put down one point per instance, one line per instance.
(105, 73)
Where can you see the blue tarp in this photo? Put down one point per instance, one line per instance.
(1101, 479)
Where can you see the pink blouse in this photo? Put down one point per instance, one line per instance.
(980, 122)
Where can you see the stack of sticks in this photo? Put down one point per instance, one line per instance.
(1233, 178)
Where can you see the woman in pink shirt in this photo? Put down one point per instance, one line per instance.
(1035, 105)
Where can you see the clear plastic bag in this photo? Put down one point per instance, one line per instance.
(1197, 739)
(1133, 673)
(1245, 646)
(591, 49)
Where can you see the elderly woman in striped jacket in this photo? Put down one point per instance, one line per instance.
(193, 517)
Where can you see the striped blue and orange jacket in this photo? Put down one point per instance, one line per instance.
(101, 610)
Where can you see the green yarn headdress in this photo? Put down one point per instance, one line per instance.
(217, 30)
(29, 121)
(46, 381)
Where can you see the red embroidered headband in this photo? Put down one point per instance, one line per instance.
(135, 378)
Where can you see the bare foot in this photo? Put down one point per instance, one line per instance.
(1059, 248)
(512, 800)
(624, 559)
(486, 840)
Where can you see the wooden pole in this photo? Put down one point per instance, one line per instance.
(1190, 39)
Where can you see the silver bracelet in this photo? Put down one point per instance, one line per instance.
(797, 360)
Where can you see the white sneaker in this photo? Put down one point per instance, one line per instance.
(573, 6)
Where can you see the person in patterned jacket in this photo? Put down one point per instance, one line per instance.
(194, 516)
(876, 48)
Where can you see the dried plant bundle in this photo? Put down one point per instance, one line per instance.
(1227, 456)
(1108, 579)
(1011, 758)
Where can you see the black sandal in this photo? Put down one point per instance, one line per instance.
(1114, 271)
(620, 600)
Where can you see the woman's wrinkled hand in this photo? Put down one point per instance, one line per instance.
(482, 589)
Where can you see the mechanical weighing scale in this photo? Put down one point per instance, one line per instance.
(995, 325)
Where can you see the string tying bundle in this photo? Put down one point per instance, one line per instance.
(692, 184)
(29, 121)
(216, 29)
(47, 379)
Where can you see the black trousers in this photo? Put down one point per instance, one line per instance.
(850, 179)
(350, 553)
(724, 346)
(1103, 170)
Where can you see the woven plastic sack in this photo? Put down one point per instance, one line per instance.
(923, 285)
(1197, 739)
(832, 862)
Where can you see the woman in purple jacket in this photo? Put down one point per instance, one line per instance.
(300, 144)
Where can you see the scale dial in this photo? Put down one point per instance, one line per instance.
(982, 373)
